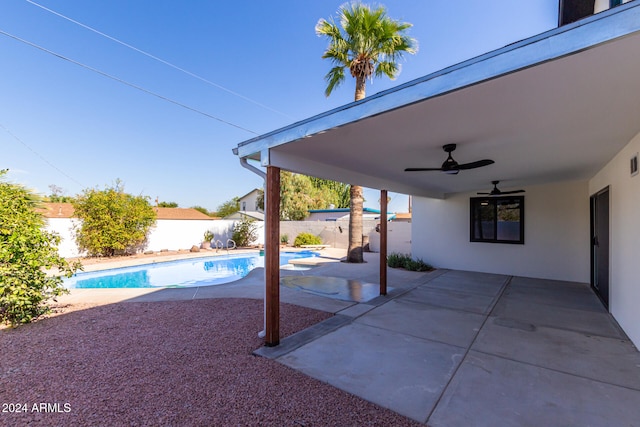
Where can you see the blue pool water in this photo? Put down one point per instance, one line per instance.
(178, 274)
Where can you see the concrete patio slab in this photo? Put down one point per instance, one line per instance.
(489, 391)
(452, 327)
(586, 321)
(357, 310)
(571, 352)
(396, 371)
(167, 294)
(456, 300)
(333, 287)
(465, 281)
(569, 296)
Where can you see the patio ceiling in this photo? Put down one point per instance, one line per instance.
(552, 108)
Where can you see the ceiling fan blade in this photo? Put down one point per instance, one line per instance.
(422, 169)
(473, 165)
(484, 194)
(512, 192)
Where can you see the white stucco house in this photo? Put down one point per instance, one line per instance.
(559, 116)
(249, 202)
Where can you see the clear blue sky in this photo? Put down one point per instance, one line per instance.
(65, 125)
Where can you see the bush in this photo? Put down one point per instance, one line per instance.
(26, 252)
(307, 239)
(113, 222)
(395, 260)
(245, 232)
(208, 236)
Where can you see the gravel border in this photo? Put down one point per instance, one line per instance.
(181, 363)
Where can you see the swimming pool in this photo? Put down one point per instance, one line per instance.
(178, 274)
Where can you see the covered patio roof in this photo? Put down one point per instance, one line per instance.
(554, 107)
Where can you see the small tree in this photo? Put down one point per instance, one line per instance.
(57, 195)
(167, 205)
(26, 252)
(202, 210)
(229, 207)
(298, 194)
(113, 222)
(245, 232)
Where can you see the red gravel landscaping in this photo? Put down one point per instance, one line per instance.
(185, 363)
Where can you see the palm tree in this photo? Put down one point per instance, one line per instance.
(368, 43)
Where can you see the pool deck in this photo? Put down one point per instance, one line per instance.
(453, 348)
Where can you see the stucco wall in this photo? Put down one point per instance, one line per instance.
(556, 235)
(334, 233)
(64, 228)
(398, 238)
(167, 234)
(624, 219)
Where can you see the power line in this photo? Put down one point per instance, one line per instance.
(40, 155)
(119, 80)
(147, 54)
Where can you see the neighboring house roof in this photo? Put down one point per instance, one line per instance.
(180, 213)
(66, 210)
(541, 108)
(258, 216)
(405, 216)
(56, 210)
(255, 190)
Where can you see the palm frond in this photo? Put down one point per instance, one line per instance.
(334, 78)
(387, 68)
(365, 40)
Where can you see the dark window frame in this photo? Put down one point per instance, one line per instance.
(475, 202)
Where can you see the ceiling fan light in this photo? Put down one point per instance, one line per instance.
(451, 171)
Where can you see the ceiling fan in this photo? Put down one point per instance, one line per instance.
(497, 192)
(452, 167)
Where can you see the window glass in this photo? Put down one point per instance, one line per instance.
(497, 219)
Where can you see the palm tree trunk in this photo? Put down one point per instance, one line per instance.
(361, 82)
(355, 251)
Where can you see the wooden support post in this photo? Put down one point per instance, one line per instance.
(383, 242)
(272, 258)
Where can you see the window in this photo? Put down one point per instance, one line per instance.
(497, 219)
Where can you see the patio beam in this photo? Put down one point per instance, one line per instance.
(383, 242)
(272, 258)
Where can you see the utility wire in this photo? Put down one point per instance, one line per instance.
(119, 80)
(40, 155)
(158, 59)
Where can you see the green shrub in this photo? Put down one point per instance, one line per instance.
(417, 265)
(284, 239)
(307, 239)
(113, 222)
(245, 232)
(396, 260)
(26, 253)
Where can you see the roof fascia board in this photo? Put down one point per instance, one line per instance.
(553, 44)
